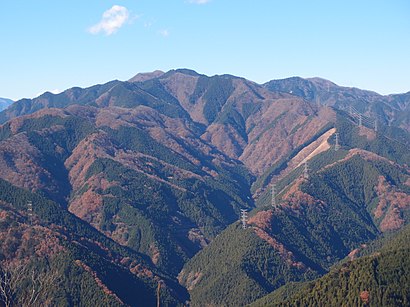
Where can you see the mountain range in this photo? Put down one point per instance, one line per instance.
(5, 103)
(140, 185)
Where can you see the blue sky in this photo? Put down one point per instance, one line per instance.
(54, 45)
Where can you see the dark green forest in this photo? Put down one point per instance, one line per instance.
(137, 190)
(378, 279)
(80, 242)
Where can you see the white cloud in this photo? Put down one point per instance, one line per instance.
(199, 1)
(111, 21)
(164, 33)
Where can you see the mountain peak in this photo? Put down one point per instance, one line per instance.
(187, 71)
(142, 183)
(321, 81)
(140, 77)
(4, 103)
(184, 71)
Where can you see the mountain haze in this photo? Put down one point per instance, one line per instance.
(5, 103)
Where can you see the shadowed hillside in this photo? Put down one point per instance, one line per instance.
(142, 182)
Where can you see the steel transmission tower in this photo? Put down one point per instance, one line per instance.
(337, 145)
(244, 217)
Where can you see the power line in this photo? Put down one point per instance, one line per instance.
(30, 212)
(362, 119)
(244, 217)
(337, 145)
(306, 170)
(373, 122)
(273, 194)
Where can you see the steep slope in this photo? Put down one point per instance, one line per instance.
(144, 179)
(161, 165)
(77, 264)
(201, 96)
(389, 110)
(114, 93)
(238, 268)
(242, 119)
(5, 103)
(163, 127)
(140, 77)
(389, 142)
(374, 280)
(350, 197)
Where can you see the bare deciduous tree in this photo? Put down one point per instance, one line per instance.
(6, 293)
(37, 285)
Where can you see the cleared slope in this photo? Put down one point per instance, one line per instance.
(390, 109)
(318, 222)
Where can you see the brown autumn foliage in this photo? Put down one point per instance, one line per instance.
(368, 133)
(261, 223)
(195, 235)
(88, 207)
(391, 204)
(20, 164)
(21, 241)
(99, 282)
(262, 219)
(365, 296)
(286, 255)
(366, 155)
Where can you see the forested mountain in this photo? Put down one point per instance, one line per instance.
(155, 171)
(5, 103)
(143, 179)
(389, 110)
(350, 198)
(52, 258)
(379, 278)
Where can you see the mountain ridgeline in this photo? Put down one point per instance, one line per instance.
(5, 103)
(371, 280)
(136, 188)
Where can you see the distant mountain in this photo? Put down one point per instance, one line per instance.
(5, 103)
(226, 109)
(143, 142)
(157, 169)
(146, 76)
(389, 110)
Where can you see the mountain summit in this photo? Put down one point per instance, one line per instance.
(5, 103)
(141, 184)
